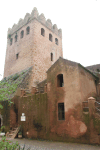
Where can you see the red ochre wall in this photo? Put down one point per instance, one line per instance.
(35, 109)
(42, 119)
(74, 127)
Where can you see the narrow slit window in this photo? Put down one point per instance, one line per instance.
(0, 122)
(51, 56)
(16, 37)
(60, 81)
(17, 55)
(42, 32)
(11, 40)
(22, 34)
(95, 82)
(28, 30)
(61, 111)
(50, 37)
(56, 41)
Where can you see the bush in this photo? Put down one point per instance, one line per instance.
(3, 128)
(8, 145)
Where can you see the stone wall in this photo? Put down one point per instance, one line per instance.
(33, 49)
(43, 48)
(35, 15)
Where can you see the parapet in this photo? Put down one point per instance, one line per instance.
(35, 15)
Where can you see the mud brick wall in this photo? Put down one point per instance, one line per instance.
(35, 109)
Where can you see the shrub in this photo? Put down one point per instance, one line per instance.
(8, 145)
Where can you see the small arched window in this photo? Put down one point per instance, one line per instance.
(42, 32)
(16, 37)
(51, 56)
(60, 81)
(22, 34)
(56, 41)
(28, 30)
(11, 40)
(50, 37)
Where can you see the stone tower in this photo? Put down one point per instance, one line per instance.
(34, 41)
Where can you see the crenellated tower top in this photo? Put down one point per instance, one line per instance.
(41, 18)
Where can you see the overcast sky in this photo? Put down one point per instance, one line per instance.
(78, 19)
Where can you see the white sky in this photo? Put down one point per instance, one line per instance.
(78, 19)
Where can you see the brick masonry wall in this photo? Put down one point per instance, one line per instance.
(34, 50)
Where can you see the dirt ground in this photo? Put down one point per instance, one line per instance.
(50, 145)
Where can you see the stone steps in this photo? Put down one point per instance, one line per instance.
(13, 133)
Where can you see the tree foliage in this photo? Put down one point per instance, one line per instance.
(8, 86)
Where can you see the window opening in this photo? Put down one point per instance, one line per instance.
(28, 30)
(60, 82)
(42, 32)
(17, 55)
(61, 111)
(0, 122)
(16, 38)
(50, 37)
(95, 82)
(56, 41)
(11, 40)
(51, 56)
(22, 34)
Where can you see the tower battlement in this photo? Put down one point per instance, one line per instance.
(34, 41)
(41, 18)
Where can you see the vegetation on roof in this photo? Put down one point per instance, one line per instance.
(94, 74)
(9, 85)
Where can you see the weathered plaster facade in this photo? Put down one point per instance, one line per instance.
(72, 94)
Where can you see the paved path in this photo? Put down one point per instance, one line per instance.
(48, 145)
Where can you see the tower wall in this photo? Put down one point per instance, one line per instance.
(24, 47)
(33, 49)
(43, 48)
